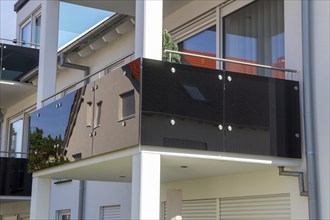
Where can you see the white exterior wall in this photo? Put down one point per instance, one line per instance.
(320, 65)
(107, 194)
(64, 196)
(245, 184)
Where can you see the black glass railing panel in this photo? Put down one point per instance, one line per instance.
(89, 121)
(17, 61)
(262, 115)
(181, 106)
(14, 177)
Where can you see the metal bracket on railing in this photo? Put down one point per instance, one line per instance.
(298, 174)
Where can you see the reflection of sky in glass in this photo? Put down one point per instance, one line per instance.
(241, 47)
(53, 121)
(75, 19)
(277, 47)
(204, 41)
(17, 127)
(245, 48)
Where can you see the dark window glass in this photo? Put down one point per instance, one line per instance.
(255, 34)
(203, 43)
(127, 104)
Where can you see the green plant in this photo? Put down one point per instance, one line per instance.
(169, 44)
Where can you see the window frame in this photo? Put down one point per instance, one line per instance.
(25, 116)
(62, 212)
(122, 96)
(32, 18)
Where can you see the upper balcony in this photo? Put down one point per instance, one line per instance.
(16, 62)
(169, 106)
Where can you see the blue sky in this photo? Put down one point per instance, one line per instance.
(75, 19)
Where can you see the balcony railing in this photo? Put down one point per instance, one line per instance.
(14, 177)
(154, 103)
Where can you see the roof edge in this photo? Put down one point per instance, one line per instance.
(20, 4)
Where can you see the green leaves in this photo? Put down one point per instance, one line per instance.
(169, 44)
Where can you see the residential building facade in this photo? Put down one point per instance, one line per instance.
(113, 132)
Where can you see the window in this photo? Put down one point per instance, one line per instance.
(63, 214)
(16, 137)
(127, 105)
(26, 34)
(18, 133)
(248, 31)
(203, 43)
(255, 34)
(30, 31)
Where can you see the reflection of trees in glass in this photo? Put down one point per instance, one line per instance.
(13, 134)
(45, 151)
(169, 44)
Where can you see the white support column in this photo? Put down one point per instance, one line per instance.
(48, 50)
(145, 186)
(148, 29)
(40, 198)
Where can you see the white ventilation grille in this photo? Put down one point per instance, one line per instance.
(199, 209)
(110, 212)
(256, 207)
(261, 207)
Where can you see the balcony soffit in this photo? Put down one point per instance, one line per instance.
(127, 7)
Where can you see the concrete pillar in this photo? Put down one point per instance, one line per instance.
(145, 186)
(174, 204)
(48, 50)
(40, 198)
(148, 29)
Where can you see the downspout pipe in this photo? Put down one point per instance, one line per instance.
(298, 174)
(73, 66)
(308, 113)
(81, 199)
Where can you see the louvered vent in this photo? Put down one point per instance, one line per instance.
(256, 207)
(199, 209)
(110, 212)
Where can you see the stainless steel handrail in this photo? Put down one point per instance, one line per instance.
(21, 42)
(87, 77)
(230, 61)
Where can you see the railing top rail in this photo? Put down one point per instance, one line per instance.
(231, 61)
(20, 42)
(87, 77)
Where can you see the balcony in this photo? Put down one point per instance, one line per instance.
(15, 63)
(15, 181)
(173, 106)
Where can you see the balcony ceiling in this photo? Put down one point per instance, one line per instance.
(117, 166)
(12, 92)
(126, 7)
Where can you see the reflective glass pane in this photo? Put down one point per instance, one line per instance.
(203, 43)
(37, 30)
(181, 106)
(26, 34)
(16, 137)
(262, 116)
(52, 129)
(255, 34)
